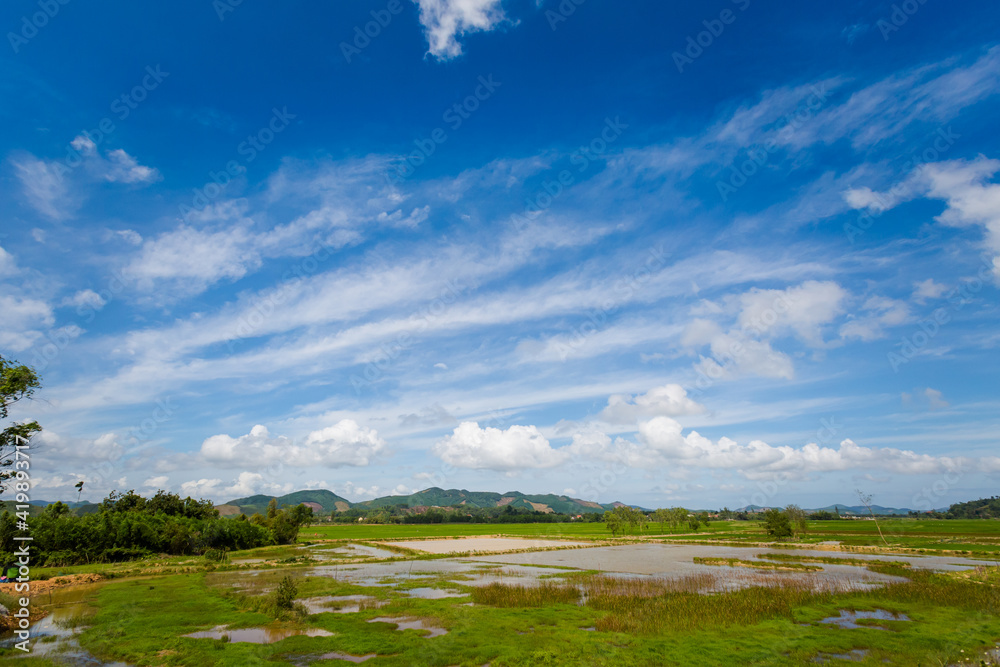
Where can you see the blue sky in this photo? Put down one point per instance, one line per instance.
(703, 254)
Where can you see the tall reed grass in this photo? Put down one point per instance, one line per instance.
(512, 595)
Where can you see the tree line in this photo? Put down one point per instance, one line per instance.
(128, 526)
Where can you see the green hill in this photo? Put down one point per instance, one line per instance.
(325, 500)
(437, 497)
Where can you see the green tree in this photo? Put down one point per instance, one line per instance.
(797, 517)
(16, 383)
(662, 517)
(272, 508)
(777, 524)
(678, 517)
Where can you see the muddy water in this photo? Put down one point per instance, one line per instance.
(468, 544)
(463, 571)
(412, 624)
(60, 644)
(341, 604)
(669, 560)
(848, 619)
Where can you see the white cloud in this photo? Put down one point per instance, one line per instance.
(56, 448)
(343, 444)
(156, 482)
(445, 21)
(130, 236)
(195, 258)
(245, 484)
(803, 309)
(86, 298)
(877, 313)
(517, 448)
(973, 201)
(663, 443)
(43, 186)
(46, 184)
(123, 168)
(7, 264)
(928, 289)
(22, 320)
(670, 400)
(935, 399)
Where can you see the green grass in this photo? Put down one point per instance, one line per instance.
(148, 605)
(638, 622)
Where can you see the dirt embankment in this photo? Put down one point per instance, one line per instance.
(47, 585)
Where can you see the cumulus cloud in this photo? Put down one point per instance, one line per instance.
(669, 400)
(55, 447)
(245, 484)
(22, 320)
(517, 448)
(741, 329)
(159, 482)
(444, 21)
(663, 441)
(85, 298)
(343, 444)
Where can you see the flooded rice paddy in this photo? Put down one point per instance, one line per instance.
(55, 636)
(472, 544)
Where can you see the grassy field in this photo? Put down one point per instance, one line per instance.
(573, 619)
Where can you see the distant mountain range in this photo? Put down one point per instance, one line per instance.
(324, 501)
(327, 501)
